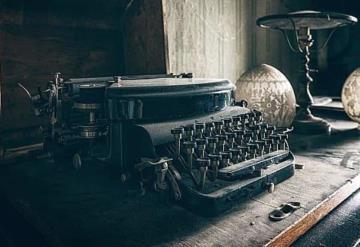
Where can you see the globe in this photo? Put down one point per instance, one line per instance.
(268, 90)
(350, 96)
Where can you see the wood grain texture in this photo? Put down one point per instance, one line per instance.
(292, 233)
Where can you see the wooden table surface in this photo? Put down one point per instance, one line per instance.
(90, 207)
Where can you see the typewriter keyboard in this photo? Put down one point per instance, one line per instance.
(214, 154)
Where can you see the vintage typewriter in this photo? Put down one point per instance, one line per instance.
(170, 133)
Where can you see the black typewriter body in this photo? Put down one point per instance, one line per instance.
(172, 134)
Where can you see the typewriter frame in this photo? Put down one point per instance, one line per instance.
(113, 120)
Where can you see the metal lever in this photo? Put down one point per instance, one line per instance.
(161, 168)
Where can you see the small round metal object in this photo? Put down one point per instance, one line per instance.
(209, 125)
(224, 155)
(222, 137)
(76, 161)
(200, 141)
(236, 118)
(202, 162)
(189, 144)
(271, 187)
(212, 139)
(214, 157)
(199, 126)
(178, 130)
(123, 178)
(299, 166)
(189, 127)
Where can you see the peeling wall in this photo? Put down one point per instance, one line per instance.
(219, 38)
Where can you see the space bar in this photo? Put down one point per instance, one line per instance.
(249, 166)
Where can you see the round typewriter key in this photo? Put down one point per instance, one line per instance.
(209, 125)
(275, 137)
(253, 146)
(234, 155)
(214, 157)
(199, 126)
(236, 118)
(201, 162)
(178, 130)
(225, 155)
(227, 120)
(189, 127)
(200, 141)
(218, 123)
(264, 126)
(212, 140)
(234, 151)
(257, 113)
(225, 159)
(221, 137)
(189, 144)
(230, 135)
(189, 148)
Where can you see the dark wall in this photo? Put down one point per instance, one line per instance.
(39, 38)
(79, 38)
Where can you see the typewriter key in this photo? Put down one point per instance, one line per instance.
(276, 142)
(235, 152)
(227, 124)
(268, 145)
(221, 142)
(200, 146)
(253, 149)
(258, 116)
(203, 167)
(199, 129)
(214, 165)
(209, 128)
(189, 132)
(244, 150)
(177, 132)
(270, 130)
(189, 149)
(225, 159)
(260, 150)
(212, 141)
(230, 139)
(283, 141)
(218, 126)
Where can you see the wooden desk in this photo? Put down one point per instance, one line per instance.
(90, 207)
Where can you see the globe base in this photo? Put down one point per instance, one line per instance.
(309, 124)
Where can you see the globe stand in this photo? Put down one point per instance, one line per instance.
(304, 121)
(301, 23)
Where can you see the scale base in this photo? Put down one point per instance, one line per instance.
(309, 124)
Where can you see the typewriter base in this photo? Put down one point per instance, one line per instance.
(216, 202)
